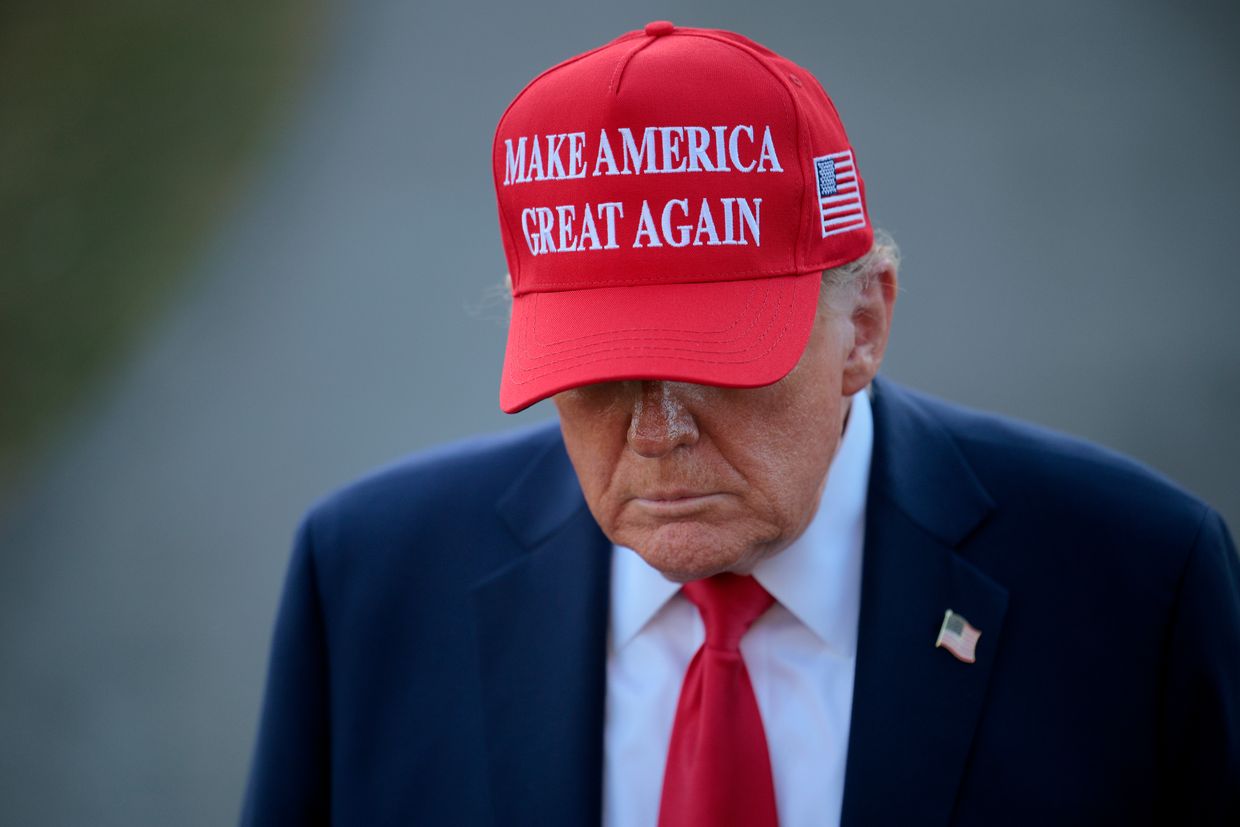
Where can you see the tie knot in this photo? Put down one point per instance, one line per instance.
(729, 604)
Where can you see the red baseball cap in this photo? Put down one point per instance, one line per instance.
(668, 203)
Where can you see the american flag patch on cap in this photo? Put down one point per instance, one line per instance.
(839, 197)
(958, 637)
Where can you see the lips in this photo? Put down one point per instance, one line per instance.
(673, 494)
(676, 503)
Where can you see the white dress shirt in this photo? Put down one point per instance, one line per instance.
(800, 655)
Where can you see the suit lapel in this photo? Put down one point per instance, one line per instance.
(542, 626)
(915, 707)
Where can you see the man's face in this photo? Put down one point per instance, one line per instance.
(699, 479)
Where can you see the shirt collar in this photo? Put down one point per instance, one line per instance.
(817, 578)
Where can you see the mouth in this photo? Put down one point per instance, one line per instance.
(676, 503)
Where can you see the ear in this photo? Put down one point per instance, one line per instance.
(871, 321)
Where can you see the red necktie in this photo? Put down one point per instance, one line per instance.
(718, 770)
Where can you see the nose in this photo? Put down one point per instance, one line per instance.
(660, 422)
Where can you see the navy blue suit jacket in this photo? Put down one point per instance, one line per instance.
(439, 652)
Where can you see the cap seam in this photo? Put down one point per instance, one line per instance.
(784, 308)
(789, 102)
(707, 277)
(499, 124)
(617, 76)
(766, 301)
(595, 355)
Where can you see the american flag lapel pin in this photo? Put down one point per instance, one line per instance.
(958, 637)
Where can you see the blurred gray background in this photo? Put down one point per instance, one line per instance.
(1062, 177)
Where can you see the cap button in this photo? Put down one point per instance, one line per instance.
(659, 28)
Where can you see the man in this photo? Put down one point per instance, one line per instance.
(742, 581)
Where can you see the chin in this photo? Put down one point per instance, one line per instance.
(685, 551)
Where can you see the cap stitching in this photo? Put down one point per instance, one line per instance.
(789, 301)
(766, 300)
(618, 74)
(708, 277)
(789, 103)
(789, 106)
(595, 356)
(516, 276)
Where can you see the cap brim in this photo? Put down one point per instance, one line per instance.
(736, 334)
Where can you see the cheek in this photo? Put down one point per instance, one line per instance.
(595, 452)
(784, 451)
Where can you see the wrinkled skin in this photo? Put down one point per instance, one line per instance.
(700, 480)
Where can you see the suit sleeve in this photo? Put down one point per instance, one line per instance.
(1201, 712)
(289, 780)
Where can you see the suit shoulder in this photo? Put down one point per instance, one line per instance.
(434, 481)
(1064, 475)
